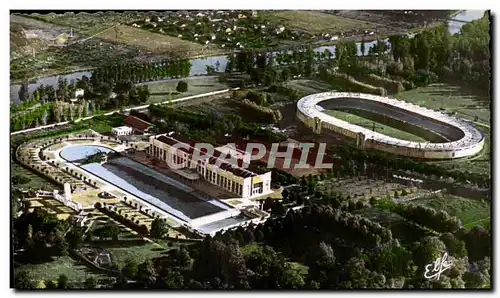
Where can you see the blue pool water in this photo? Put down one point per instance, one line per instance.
(78, 152)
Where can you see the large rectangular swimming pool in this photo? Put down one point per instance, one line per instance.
(147, 184)
(156, 188)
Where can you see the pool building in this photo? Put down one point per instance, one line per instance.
(194, 210)
(245, 183)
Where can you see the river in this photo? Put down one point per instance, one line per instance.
(198, 65)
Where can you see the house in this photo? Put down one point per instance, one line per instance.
(138, 125)
(121, 131)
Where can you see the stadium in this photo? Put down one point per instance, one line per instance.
(450, 137)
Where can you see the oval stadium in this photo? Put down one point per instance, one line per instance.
(449, 137)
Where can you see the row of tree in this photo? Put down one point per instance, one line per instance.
(352, 157)
(142, 72)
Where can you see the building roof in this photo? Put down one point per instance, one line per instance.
(137, 123)
(214, 158)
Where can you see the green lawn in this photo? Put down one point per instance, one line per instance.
(76, 272)
(380, 128)
(452, 99)
(129, 245)
(471, 212)
(104, 124)
(140, 253)
(164, 91)
(468, 106)
(480, 163)
(36, 181)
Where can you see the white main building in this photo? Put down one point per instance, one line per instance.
(244, 183)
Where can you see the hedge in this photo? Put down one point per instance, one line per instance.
(141, 229)
(348, 83)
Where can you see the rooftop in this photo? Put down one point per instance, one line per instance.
(215, 158)
(121, 129)
(137, 123)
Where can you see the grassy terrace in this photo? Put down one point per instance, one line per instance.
(129, 246)
(380, 128)
(471, 212)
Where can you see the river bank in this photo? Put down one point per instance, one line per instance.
(198, 64)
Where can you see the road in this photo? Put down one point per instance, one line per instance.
(124, 110)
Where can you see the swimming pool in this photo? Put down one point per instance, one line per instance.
(78, 152)
(147, 184)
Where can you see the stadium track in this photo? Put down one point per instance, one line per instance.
(461, 139)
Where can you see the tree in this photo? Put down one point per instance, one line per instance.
(146, 273)
(158, 228)
(259, 98)
(60, 245)
(322, 256)
(173, 279)
(182, 86)
(90, 283)
(51, 284)
(427, 251)
(180, 257)
(278, 209)
(218, 260)
(23, 281)
(109, 231)
(455, 246)
(62, 282)
(130, 269)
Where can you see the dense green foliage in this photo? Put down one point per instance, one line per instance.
(182, 86)
(464, 56)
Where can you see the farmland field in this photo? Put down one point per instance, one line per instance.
(318, 22)
(156, 43)
(86, 23)
(471, 212)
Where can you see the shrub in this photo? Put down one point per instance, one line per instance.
(259, 98)
(182, 86)
(348, 83)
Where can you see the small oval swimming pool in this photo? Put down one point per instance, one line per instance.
(77, 152)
